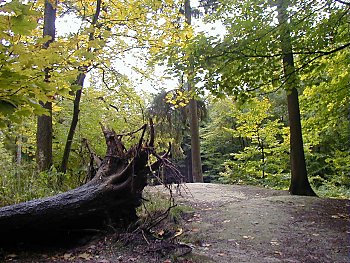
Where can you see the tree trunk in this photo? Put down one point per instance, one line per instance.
(111, 196)
(19, 149)
(194, 125)
(195, 144)
(75, 118)
(44, 125)
(299, 181)
(44, 139)
(76, 106)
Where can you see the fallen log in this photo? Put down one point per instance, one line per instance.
(109, 198)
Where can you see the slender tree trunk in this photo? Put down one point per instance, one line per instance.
(44, 125)
(75, 118)
(76, 106)
(261, 145)
(19, 149)
(194, 125)
(299, 181)
(195, 144)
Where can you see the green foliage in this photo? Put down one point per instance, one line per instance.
(119, 108)
(20, 183)
(325, 113)
(246, 61)
(23, 60)
(250, 145)
(170, 117)
(233, 137)
(217, 143)
(266, 147)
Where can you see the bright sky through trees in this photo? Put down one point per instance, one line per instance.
(134, 59)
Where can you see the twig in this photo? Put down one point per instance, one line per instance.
(144, 237)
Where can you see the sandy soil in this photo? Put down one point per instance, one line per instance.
(229, 223)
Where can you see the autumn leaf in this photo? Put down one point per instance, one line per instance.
(85, 256)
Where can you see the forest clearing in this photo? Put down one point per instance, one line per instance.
(238, 110)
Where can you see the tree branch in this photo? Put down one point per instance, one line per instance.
(343, 2)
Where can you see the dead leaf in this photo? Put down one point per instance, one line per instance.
(339, 215)
(206, 245)
(12, 256)
(274, 242)
(85, 256)
(67, 256)
(278, 253)
(233, 241)
(161, 232)
(179, 232)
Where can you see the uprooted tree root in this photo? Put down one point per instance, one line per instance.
(110, 196)
(157, 232)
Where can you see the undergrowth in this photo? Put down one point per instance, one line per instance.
(20, 183)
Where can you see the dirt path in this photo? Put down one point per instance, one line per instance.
(248, 224)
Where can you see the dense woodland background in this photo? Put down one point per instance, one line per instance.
(232, 82)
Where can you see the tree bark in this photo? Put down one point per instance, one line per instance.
(195, 144)
(73, 126)
(299, 181)
(110, 197)
(193, 115)
(44, 139)
(44, 125)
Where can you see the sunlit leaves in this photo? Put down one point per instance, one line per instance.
(23, 62)
(21, 18)
(266, 137)
(325, 108)
(245, 143)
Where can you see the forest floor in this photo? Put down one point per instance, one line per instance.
(223, 223)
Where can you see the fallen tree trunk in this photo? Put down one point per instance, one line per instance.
(110, 197)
